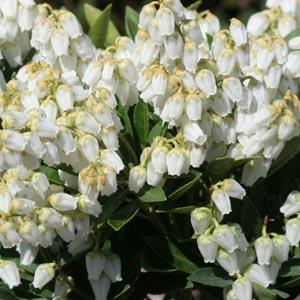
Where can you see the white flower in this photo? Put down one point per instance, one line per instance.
(193, 107)
(94, 262)
(12, 140)
(146, 15)
(228, 261)
(80, 244)
(166, 21)
(201, 219)
(292, 228)
(177, 161)
(62, 201)
(70, 24)
(243, 288)
(30, 233)
(224, 236)
(137, 178)
(28, 253)
(221, 200)
(234, 189)
(112, 267)
(67, 231)
(153, 177)
(291, 205)
(206, 81)
(22, 206)
(207, 247)
(281, 248)
(259, 275)
(50, 217)
(189, 56)
(111, 158)
(9, 273)
(89, 206)
(264, 250)
(238, 32)
(233, 88)
(100, 287)
(257, 24)
(173, 45)
(193, 133)
(43, 274)
(64, 97)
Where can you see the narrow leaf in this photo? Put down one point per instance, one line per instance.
(52, 174)
(131, 22)
(155, 131)
(92, 14)
(184, 189)
(122, 113)
(170, 253)
(155, 194)
(290, 268)
(294, 33)
(176, 210)
(195, 5)
(98, 31)
(111, 204)
(123, 216)
(211, 276)
(290, 150)
(262, 293)
(141, 121)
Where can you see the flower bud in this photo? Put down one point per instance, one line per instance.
(9, 273)
(43, 274)
(201, 219)
(292, 228)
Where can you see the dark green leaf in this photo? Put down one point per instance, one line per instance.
(111, 204)
(211, 276)
(170, 253)
(52, 174)
(222, 167)
(131, 22)
(155, 131)
(280, 294)
(141, 121)
(185, 188)
(176, 210)
(262, 293)
(294, 33)
(290, 150)
(99, 30)
(123, 216)
(92, 14)
(125, 118)
(251, 221)
(290, 268)
(155, 194)
(209, 39)
(6, 294)
(195, 5)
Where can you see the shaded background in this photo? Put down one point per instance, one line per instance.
(224, 9)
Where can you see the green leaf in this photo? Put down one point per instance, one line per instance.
(170, 253)
(111, 204)
(141, 121)
(6, 294)
(222, 167)
(122, 113)
(290, 268)
(131, 22)
(155, 194)
(123, 216)
(184, 189)
(211, 276)
(195, 5)
(294, 33)
(52, 174)
(155, 131)
(280, 294)
(176, 210)
(98, 32)
(251, 221)
(262, 293)
(290, 150)
(209, 39)
(92, 14)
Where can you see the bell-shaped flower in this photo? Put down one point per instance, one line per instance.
(243, 288)
(177, 161)
(257, 274)
(264, 250)
(238, 32)
(12, 140)
(228, 261)
(64, 97)
(100, 287)
(94, 262)
(292, 228)
(291, 205)
(166, 21)
(112, 267)
(208, 247)
(30, 233)
(233, 88)
(50, 217)
(80, 244)
(22, 206)
(67, 231)
(225, 238)
(28, 253)
(89, 206)
(70, 24)
(205, 80)
(281, 248)
(240, 237)
(153, 178)
(137, 178)
(257, 24)
(9, 273)
(201, 219)
(221, 200)
(62, 201)
(43, 274)
(193, 133)
(159, 159)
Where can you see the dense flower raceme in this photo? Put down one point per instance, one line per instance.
(225, 93)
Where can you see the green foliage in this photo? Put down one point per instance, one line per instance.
(131, 22)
